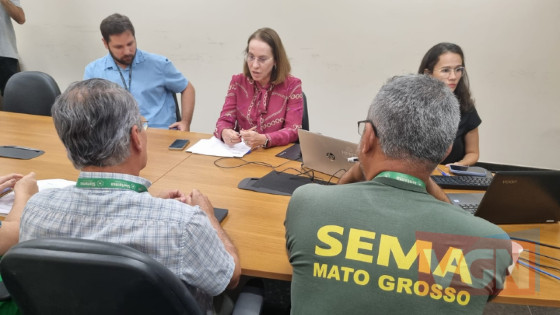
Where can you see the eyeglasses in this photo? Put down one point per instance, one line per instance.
(362, 127)
(260, 60)
(446, 71)
(145, 124)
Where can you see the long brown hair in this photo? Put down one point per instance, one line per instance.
(282, 69)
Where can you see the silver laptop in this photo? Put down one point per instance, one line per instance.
(325, 154)
(521, 197)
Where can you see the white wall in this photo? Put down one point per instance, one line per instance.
(342, 50)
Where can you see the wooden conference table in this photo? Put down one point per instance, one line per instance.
(255, 221)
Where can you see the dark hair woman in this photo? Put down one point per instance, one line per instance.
(446, 62)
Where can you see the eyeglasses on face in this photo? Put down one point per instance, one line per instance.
(145, 124)
(362, 127)
(260, 60)
(446, 71)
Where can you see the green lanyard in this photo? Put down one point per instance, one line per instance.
(110, 183)
(403, 178)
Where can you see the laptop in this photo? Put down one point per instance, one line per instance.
(325, 154)
(519, 197)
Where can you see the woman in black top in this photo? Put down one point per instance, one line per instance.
(446, 62)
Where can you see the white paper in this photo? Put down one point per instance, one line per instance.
(7, 200)
(516, 250)
(216, 147)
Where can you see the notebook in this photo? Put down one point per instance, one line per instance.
(325, 154)
(520, 197)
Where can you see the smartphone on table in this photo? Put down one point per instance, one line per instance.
(179, 144)
(467, 170)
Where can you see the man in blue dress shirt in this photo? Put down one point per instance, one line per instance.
(151, 79)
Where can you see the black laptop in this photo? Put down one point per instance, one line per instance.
(520, 197)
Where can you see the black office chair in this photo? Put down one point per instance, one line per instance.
(78, 276)
(305, 118)
(177, 110)
(4, 294)
(30, 92)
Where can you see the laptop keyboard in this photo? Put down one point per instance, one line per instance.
(462, 182)
(470, 207)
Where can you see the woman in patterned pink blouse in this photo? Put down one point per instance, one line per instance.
(264, 104)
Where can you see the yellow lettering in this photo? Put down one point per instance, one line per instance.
(346, 272)
(454, 262)
(335, 246)
(334, 273)
(355, 244)
(365, 277)
(463, 298)
(424, 284)
(436, 291)
(390, 245)
(422, 288)
(386, 283)
(405, 284)
(319, 270)
(449, 294)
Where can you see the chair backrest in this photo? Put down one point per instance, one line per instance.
(30, 92)
(177, 110)
(305, 118)
(78, 276)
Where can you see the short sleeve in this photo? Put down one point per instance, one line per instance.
(205, 264)
(175, 81)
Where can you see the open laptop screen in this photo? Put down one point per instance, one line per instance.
(325, 154)
(520, 197)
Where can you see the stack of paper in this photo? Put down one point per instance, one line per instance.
(216, 147)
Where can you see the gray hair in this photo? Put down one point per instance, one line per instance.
(416, 117)
(93, 119)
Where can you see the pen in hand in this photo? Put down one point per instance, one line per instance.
(6, 191)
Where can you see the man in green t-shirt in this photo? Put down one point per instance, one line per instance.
(381, 243)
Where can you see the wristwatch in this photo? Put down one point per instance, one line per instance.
(265, 145)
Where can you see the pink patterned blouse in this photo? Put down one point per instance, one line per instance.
(276, 110)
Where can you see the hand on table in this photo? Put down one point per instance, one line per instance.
(173, 194)
(253, 138)
(180, 125)
(9, 181)
(196, 198)
(230, 136)
(26, 186)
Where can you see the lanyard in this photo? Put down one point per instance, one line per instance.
(129, 76)
(403, 178)
(110, 183)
